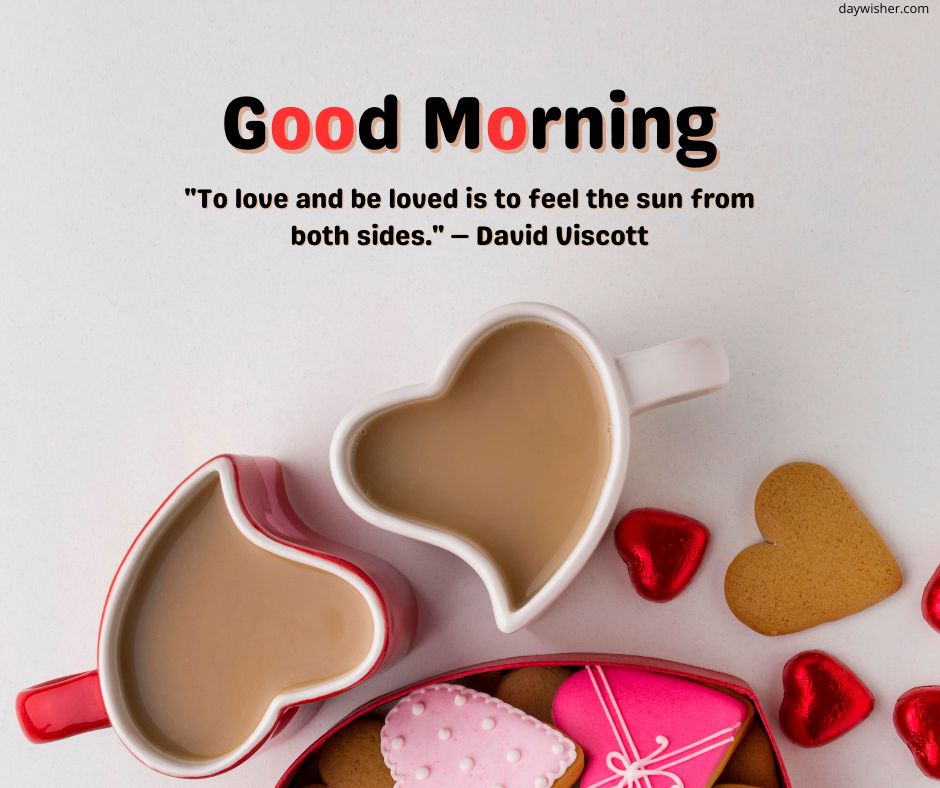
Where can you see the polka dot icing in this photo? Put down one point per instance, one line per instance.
(397, 743)
(541, 782)
(453, 717)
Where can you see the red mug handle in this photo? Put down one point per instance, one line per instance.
(62, 707)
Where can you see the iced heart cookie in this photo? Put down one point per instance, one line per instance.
(448, 736)
(643, 728)
(822, 559)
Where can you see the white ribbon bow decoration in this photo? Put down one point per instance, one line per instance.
(631, 773)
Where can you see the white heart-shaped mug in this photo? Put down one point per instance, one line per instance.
(633, 383)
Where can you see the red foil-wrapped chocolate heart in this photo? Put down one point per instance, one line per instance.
(917, 720)
(930, 604)
(822, 699)
(662, 549)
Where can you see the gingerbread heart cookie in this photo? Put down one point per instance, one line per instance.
(352, 758)
(822, 559)
(532, 690)
(753, 763)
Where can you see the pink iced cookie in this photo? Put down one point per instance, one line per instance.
(640, 729)
(447, 736)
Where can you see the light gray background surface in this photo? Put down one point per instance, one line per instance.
(140, 335)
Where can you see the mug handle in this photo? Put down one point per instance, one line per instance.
(62, 707)
(673, 372)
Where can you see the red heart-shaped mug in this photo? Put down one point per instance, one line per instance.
(226, 614)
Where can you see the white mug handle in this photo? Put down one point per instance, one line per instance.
(673, 372)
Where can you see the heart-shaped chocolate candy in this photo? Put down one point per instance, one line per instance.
(822, 699)
(917, 720)
(662, 550)
(930, 602)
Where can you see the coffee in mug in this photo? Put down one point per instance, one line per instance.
(215, 627)
(512, 456)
